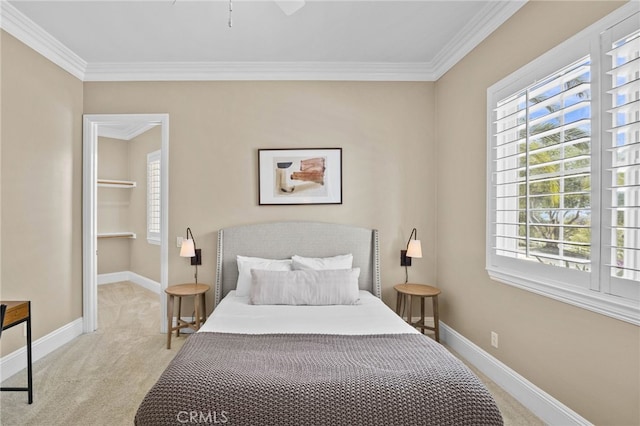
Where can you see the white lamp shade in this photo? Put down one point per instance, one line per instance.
(188, 248)
(414, 249)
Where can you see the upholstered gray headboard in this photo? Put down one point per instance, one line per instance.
(281, 240)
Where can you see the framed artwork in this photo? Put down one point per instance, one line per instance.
(300, 176)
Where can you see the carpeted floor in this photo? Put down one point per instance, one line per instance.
(101, 378)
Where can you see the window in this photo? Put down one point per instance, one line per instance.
(622, 147)
(153, 197)
(564, 171)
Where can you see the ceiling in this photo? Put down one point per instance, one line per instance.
(191, 40)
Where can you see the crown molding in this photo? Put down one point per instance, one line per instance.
(24, 29)
(493, 15)
(125, 132)
(211, 71)
(34, 36)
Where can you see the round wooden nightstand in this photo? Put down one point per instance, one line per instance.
(200, 313)
(406, 291)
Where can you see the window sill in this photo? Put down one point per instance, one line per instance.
(611, 306)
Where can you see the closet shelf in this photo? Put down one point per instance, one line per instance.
(116, 183)
(117, 235)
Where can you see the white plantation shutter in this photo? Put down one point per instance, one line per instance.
(153, 197)
(622, 141)
(563, 171)
(542, 170)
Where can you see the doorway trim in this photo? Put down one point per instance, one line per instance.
(91, 124)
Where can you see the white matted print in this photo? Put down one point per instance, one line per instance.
(300, 176)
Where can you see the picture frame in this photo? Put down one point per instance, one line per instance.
(299, 176)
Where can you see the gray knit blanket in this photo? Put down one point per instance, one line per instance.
(310, 379)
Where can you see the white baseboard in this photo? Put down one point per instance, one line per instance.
(145, 282)
(17, 360)
(115, 277)
(548, 409)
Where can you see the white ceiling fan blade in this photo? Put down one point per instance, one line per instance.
(289, 7)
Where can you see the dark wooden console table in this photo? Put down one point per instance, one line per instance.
(16, 313)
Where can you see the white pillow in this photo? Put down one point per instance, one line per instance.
(246, 264)
(343, 261)
(308, 287)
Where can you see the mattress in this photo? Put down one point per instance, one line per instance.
(371, 316)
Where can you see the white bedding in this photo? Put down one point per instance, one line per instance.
(371, 316)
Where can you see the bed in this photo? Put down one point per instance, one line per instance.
(325, 364)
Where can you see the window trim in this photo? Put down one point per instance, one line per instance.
(153, 237)
(559, 283)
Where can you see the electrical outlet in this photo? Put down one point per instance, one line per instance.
(179, 241)
(494, 339)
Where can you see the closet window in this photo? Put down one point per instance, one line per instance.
(153, 197)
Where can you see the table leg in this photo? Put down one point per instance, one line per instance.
(436, 320)
(169, 319)
(398, 302)
(179, 316)
(408, 302)
(204, 307)
(196, 307)
(29, 359)
(422, 314)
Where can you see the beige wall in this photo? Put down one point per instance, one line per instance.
(392, 162)
(145, 257)
(41, 190)
(587, 361)
(384, 129)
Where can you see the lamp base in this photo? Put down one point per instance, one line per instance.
(197, 259)
(404, 259)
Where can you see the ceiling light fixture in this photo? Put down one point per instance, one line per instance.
(289, 7)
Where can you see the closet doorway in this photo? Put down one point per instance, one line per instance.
(108, 129)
